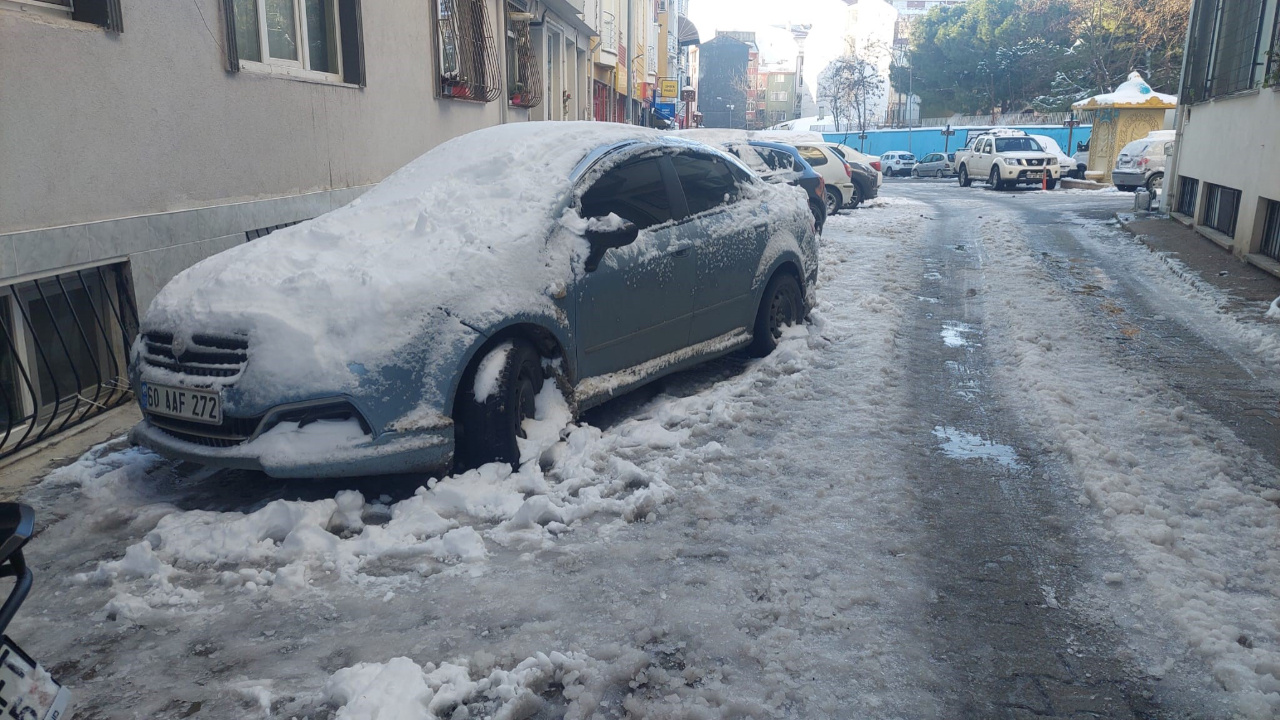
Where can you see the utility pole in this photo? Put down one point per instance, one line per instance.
(630, 72)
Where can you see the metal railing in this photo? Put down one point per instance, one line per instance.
(608, 34)
(64, 344)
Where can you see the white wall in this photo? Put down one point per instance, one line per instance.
(1235, 142)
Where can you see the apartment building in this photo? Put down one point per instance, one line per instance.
(1225, 177)
(139, 138)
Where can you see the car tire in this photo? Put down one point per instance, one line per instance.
(994, 181)
(1155, 183)
(1126, 188)
(938, 174)
(962, 176)
(915, 174)
(833, 202)
(781, 306)
(856, 200)
(1051, 183)
(819, 214)
(487, 431)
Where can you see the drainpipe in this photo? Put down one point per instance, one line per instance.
(1171, 172)
(630, 72)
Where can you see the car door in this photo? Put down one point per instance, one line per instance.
(636, 304)
(729, 237)
(982, 159)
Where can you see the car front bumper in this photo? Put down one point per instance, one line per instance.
(1024, 174)
(318, 450)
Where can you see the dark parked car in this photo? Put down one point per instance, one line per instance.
(416, 325)
(779, 163)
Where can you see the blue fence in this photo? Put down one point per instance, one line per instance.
(921, 141)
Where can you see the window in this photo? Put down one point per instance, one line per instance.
(317, 39)
(105, 13)
(812, 155)
(1271, 232)
(1017, 144)
(1225, 43)
(1222, 206)
(635, 192)
(524, 82)
(1187, 188)
(468, 59)
(63, 348)
(708, 182)
(1273, 56)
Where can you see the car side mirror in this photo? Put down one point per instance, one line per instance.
(607, 233)
(1080, 147)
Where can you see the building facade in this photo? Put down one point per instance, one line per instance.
(1224, 178)
(724, 84)
(143, 137)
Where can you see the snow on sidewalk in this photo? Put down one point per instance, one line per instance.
(1185, 499)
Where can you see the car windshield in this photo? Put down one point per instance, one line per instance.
(1017, 144)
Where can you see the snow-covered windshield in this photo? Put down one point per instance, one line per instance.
(1049, 144)
(770, 164)
(1017, 144)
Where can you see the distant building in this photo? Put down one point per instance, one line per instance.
(724, 85)
(780, 97)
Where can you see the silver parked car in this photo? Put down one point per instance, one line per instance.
(415, 326)
(1141, 162)
(935, 165)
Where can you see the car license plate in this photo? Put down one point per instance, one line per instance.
(1034, 173)
(26, 690)
(198, 405)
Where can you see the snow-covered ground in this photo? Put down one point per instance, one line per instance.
(742, 541)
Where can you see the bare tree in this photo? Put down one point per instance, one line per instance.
(852, 86)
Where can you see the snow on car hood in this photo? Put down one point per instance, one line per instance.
(456, 236)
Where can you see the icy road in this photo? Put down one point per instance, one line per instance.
(1018, 466)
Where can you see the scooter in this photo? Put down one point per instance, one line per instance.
(27, 691)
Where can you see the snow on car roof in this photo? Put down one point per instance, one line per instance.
(451, 229)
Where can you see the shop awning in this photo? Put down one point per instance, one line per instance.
(688, 33)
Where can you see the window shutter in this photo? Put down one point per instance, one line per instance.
(99, 12)
(351, 30)
(233, 51)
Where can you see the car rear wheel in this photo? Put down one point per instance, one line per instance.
(489, 427)
(963, 177)
(856, 199)
(781, 307)
(938, 174)
(1155, 183)
(819, 211)
(833, 202)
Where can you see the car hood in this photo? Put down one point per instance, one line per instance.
(463, 237)
(1026, 155)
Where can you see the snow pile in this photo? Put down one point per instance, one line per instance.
(1198, 524)
(293, 545)
(1134, 91)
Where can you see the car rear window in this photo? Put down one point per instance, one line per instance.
(812, 155)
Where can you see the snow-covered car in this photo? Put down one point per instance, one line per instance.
(1141, 162)
(1066, 165)
(419, 325)
(897, 163)
(1081, 158)
(1006, 158)
(935, 165)
(780, 163)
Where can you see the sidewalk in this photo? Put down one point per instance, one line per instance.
(31, 464)
(1249, 288)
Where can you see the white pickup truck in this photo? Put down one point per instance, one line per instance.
(1006, 158)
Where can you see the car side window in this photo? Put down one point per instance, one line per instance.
(636, 192)
(812, 155)
(708, 182)
(781, 161)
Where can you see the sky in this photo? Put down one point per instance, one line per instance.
(826, 40)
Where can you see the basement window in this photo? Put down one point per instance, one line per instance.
(1271, 232)
(1187, 188)
(468, 59)
(1221, 208)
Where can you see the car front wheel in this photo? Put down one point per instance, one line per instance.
(489, 425)
(963, 177)
(781, 307)
(994, 180)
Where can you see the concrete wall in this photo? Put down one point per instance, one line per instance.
(99, 126)
(1234, 142)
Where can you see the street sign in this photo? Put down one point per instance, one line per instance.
(946, 144)
(670, 88)
(666, 111)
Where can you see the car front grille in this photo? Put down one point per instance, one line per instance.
(210, 356)
(1035, 163)
(232, 431)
